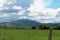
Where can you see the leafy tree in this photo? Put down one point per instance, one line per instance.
(33, 27)
(43, 26)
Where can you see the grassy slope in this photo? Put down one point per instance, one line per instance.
(8, 34)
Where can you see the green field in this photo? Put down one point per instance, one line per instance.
(17, 34)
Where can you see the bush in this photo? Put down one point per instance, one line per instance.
(33, 27)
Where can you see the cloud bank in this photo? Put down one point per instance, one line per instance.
(38, 10)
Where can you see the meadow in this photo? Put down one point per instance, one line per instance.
(19, 34)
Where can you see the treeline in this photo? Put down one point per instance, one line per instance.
(48, 26)
(41, 26)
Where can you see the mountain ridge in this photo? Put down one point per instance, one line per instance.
(21, 23)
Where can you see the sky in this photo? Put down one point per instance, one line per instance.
(43, 11)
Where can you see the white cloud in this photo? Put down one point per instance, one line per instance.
(38, 8)
(9, 3)
(13, 13)
(38, 5)
(58, 9)
(2, 3)
(49, 16)
(50, 12)
(4, 8)
(20, 13)
(23, 17)
(17, 7)
(33, 14)
(47, 21)
(4, 15)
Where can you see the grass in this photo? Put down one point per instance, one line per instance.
(17, 34)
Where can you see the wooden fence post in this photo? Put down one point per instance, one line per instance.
(50, 34)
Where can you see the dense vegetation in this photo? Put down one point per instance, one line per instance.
(41, 26)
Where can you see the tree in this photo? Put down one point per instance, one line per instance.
(43, 26)
(33, 27)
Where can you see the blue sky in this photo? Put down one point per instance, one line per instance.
(55, 4)
(43, 11)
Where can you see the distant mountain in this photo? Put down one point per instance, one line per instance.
(21, 23)
(24, 23)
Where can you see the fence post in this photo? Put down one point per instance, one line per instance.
(50, 34)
